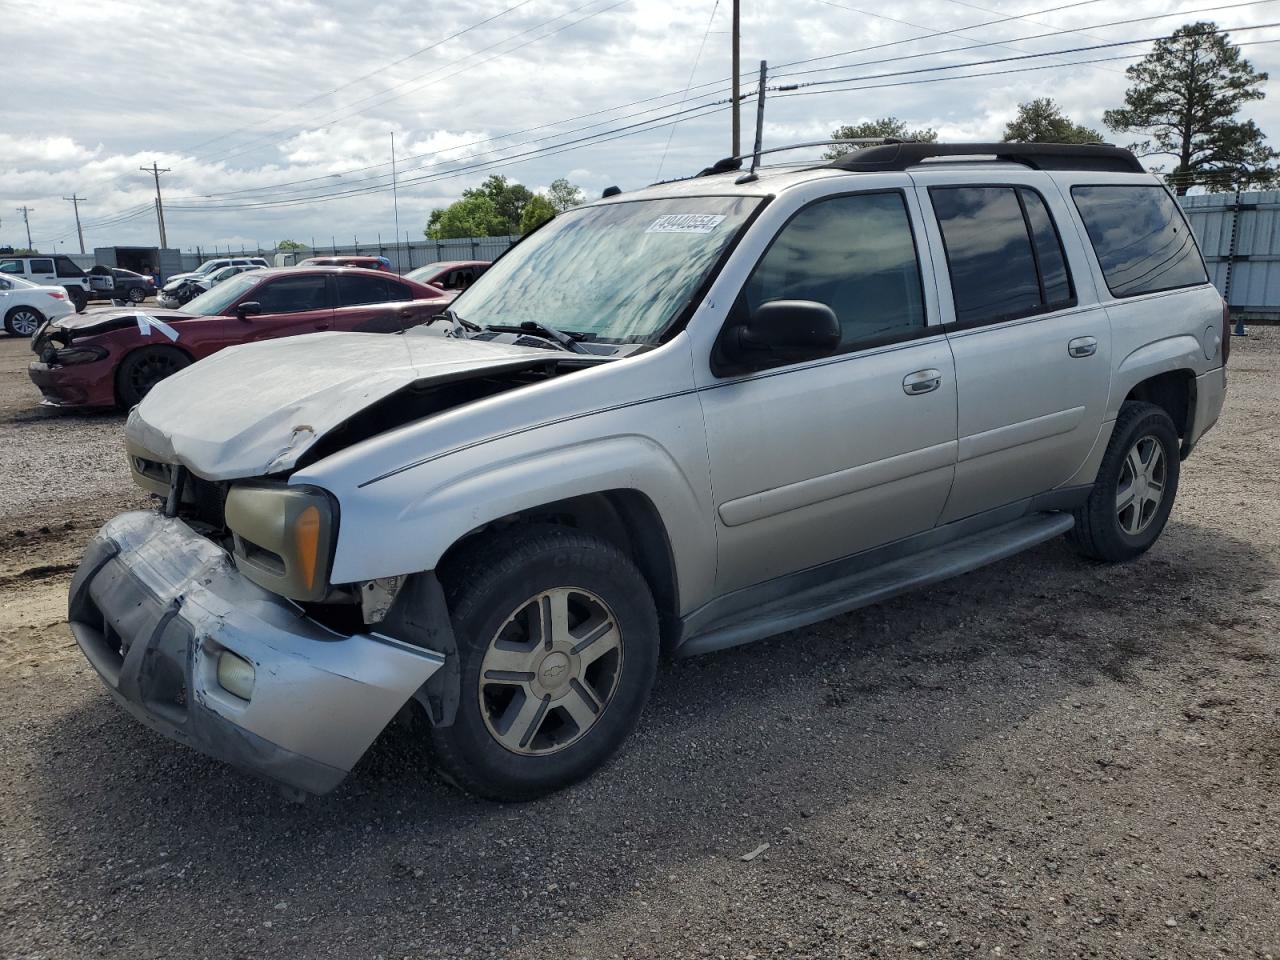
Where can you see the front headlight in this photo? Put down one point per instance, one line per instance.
(283, 537)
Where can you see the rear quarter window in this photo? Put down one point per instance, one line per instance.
(1141, 239)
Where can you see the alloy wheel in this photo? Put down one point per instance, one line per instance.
(1141, 486)
(550, 672)
(137, 294)
(25, 322)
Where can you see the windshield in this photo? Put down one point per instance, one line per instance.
(423, 274)
(215, 301)
(209, 266)
(617, 272)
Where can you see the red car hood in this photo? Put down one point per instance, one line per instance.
(103, 320)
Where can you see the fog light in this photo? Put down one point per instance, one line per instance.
(235, 675)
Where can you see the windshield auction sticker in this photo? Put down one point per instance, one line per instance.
(686, 223)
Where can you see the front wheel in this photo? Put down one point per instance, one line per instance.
(143, 369)
(557, 641)
(137, 294)
(1136, 485)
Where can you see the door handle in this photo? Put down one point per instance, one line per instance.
(1082, 347)
(922, 381)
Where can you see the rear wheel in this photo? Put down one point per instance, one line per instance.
(137, 294)
(22, 321)
(143, 369)
(1135, 489)
(557, 641)
(79, 298)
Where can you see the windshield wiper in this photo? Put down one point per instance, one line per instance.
(448, 314)
(567, 340)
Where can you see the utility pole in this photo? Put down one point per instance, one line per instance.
(395, 195)
(76, 201)
(755, 154)
(26, 219)
(155, 170)
(737, 119)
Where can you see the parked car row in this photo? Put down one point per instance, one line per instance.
(114, 357)
(58, 270)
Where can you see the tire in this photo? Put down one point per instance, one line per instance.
(22, 321)
(520, 734)
(79, 298)
(1142, 460)
(143, 369)
(137, 294)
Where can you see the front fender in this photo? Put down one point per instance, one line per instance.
(404, 523)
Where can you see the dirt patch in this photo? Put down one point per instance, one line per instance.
(1046, 758)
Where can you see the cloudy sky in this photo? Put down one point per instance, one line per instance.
(260, 108)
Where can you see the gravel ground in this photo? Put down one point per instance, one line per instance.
(1046, 758)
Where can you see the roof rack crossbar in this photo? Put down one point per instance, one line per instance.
(1038, 156)
(729, 164)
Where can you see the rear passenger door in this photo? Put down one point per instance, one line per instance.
(1032, 345)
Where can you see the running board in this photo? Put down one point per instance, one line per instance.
(866, 587)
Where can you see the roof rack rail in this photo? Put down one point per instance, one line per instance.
(730, 164)
(1038, 156)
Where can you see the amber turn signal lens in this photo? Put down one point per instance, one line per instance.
(306, 538)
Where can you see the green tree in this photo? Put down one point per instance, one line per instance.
(472, 216)
(564, 195)
(290, 245)
(508, 200)
(536, 212)
(881, 129)
(1042, 121)
(1185, 96)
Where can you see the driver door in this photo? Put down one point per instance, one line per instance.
(819, 460)
(290, 306)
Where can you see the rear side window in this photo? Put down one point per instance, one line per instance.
(398, 291)
(1141, 239)
(355, 290)
(857, 255)
(1003, 253)
(41, 266)
(68, 268)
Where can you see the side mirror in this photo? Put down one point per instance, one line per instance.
(784, 331)
(246, 310)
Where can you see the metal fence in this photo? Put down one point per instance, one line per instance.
(1239, 235)
(404, 256)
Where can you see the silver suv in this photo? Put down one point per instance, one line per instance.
(665, 423)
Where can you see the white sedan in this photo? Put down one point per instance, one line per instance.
(25, 305)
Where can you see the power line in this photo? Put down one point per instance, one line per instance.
(1024, 56)
(367, 76)
(278, 136)
(1035, 36)
(692, 70)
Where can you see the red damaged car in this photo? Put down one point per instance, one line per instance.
(113, 357)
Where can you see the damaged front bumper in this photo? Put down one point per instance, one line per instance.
(154, 606)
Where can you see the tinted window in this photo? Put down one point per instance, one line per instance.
(292, 294)
(1049, 255)
(355, 290)
(6, 284)
(41, 266)
(67, 268)
(10, 266)
(398, 291)
(993, 271)
(1142, 242)
(855, 254)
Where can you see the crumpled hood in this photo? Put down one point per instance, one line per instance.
(253, 410)
(104, 320)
